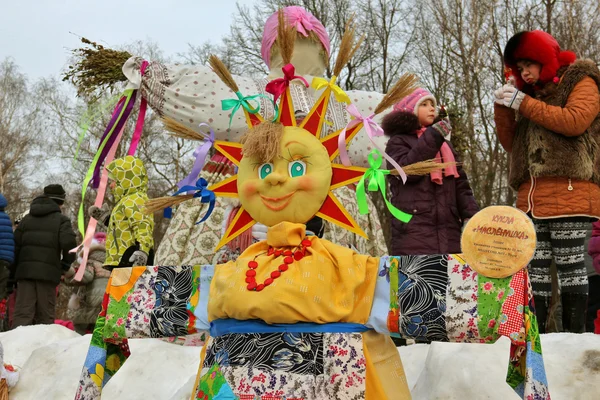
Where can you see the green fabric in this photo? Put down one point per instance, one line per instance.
(128, 223)
(491, 293)
(116, 317)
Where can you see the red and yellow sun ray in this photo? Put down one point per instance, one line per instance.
(287, 114)
(241, 222)
(231, 150)
(226, 188)
(343, 176)
(333, 211)
(313, 122)
(331, 141)
(253, 119)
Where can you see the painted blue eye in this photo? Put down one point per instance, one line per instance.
(297, 168)
(264, 170)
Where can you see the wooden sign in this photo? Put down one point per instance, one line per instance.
(498, 241)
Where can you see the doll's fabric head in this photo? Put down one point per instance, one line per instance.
(284, 175)
(312, 47)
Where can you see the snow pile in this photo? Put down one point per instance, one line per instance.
(51, 358)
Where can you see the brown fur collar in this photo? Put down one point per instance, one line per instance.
(541, 152)
(400, 123)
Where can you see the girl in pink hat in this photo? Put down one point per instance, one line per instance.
(441, 202)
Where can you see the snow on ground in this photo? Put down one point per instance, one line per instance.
(51, 357)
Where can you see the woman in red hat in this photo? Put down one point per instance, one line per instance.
(549, 123)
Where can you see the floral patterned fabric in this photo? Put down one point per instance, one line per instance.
(469, 308)
(430, 297)
(285, 365)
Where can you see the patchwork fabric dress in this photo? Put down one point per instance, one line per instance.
(321, 329)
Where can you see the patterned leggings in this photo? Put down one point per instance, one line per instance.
(563, 238)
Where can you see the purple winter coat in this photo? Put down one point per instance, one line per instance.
(438, 210)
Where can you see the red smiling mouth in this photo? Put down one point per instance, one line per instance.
(277, 203)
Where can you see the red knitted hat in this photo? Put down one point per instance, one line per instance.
(540, 47)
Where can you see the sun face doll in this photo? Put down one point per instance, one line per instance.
(294, 308)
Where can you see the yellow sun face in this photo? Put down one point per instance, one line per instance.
(290, 188)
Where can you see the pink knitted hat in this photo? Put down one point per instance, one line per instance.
(299, 18)
(412, 102)
(99, 238)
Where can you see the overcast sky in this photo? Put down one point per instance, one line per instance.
(36, 33)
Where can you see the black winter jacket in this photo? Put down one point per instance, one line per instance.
(40, 239)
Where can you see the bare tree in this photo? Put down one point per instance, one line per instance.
(21, 128)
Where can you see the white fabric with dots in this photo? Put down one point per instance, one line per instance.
(193, 94)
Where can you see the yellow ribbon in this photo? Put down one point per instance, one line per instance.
(321, 83)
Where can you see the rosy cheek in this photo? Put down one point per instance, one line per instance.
(306, 183)
(249, 189)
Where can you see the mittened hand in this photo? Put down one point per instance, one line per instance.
(99, 214)
(512, 97)
(139, 258)
(499, 96)
(444, 128)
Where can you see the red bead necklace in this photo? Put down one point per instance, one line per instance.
(288, 258)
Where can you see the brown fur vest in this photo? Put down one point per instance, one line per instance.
(538, 152)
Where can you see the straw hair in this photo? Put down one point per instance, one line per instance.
(160, 203)
(286, 37)
(221, 70)
(405, 86)
(347, 50)
(181, 131)
(423, 167)
(262, 141)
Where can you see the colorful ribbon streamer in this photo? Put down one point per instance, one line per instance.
(91, 228)
(200, 153)
(321, 83)
(139, 126)
(277, 86)
(107, 142)
(242, 101)
(202, 192)
(373, 130)
(376, 181)
(90, 117)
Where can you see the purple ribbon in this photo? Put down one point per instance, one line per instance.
(119, 124)
(200, 153)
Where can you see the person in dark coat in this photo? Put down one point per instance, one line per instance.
(440, 202)
(7, 247)
(41, 238)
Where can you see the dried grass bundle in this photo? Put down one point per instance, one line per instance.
(347, 49)
(181, 131)
(160, 203)
(262, 141)
(405, 86)
(286, 36)
(423, 167)
(221, 70)
(95, 67)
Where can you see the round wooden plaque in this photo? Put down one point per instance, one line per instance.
(498, 241)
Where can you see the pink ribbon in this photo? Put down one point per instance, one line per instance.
(139, 126)
(302, 24)
(373, 130)
(91, 228)
(277, 86)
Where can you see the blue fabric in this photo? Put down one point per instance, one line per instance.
(201, 311)
(3, 202)
(222, 327)
(7, 238)
(381, 299)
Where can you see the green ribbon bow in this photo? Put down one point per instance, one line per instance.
(244, 101)
(376, 181)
